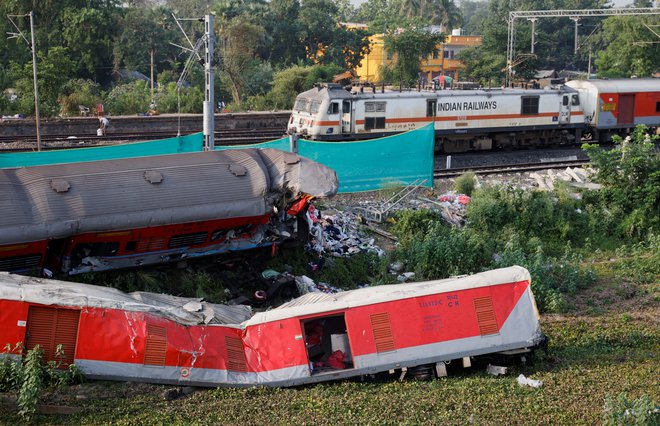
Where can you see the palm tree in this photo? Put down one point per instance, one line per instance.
(439, 12)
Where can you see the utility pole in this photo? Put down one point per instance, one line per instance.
(209, 107)
(33, 47)
(151, 52)
(208, 42)
(36, 86)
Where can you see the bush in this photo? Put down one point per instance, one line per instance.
(79, 92)
(129, 98)
(625, 411)
(32, 375)
(498, 212)
(630, 175)
(552, 278)
(433, 250)
(465, 183)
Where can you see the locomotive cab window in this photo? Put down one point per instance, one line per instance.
(431, 108)
(333, 108)
(575, 100)
(346, 107)
(530, 105)
(314, 107)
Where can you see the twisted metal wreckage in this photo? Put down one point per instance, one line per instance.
(316, 337)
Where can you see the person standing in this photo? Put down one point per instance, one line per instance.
(103, 126)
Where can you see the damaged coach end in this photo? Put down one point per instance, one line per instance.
(316, 337)
(112, 214)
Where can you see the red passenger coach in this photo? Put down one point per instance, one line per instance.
(316, 337)
(612, 105)
(94, 216)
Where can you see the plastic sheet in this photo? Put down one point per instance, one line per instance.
(377, 163)
(281, 144)
(180, 144)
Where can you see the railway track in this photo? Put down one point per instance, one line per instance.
(512, 168)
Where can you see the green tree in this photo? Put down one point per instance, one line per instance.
(474, 13)
(284, 29)
(410, 45)
(88, 33)
(437, 12)
(629, 47)
(381, 15)
(238, 54)
(143, 30)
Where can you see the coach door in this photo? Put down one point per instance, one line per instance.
(626, 108)
(565, 110)
(327, 344)
(346, 117)
(50, 327)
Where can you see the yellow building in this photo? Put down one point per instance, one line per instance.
(443, 61)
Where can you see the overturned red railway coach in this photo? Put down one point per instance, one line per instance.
(316, 337)
(111, 214)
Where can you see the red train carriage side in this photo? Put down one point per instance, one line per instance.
(317, 337)
(101, 215)
(613, 106)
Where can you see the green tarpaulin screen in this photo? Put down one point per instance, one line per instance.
(377, 163)
(361, 166)
(189, 143)
(281, 144)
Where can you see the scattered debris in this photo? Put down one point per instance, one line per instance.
(496, 370)
(338, 235)
(525, 381)
(379, 212)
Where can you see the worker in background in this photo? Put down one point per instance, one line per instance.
(103, 126)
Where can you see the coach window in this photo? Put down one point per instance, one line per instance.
(430, 108)
(565, 101)
(333, 108)
(575, 100)
(530, 105)
(657, 106)
(346, 107)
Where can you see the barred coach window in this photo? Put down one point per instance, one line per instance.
(530, 105)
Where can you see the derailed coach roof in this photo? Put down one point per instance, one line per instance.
(182, 310)
(57, 201)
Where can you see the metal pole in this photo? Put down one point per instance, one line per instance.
(576, 19)
(589, 67)
(36, 87)
(151, 51)
(209, 117)
(533, 32)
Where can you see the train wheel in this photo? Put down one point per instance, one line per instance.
(422, 372)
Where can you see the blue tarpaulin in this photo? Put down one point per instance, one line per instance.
(360, 165)
(377, 163)
(281, 144)
(189, 143)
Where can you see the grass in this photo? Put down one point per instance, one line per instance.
(591, 357)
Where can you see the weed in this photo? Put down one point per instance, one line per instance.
(465, 183)
(625, 411)
(32, 375)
